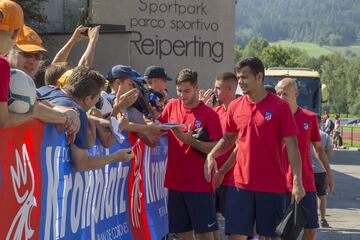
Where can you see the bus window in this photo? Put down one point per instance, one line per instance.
(309, 91)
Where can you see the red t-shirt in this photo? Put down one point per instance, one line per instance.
(4, 79)
(185, 166)
(308, 128)
(261, 128)
(229, 176)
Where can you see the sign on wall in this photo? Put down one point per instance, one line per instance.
(175, 34)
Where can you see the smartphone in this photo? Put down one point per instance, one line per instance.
(85, 33)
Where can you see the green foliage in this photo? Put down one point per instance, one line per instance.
(314, 50)
(272, 55)
(326, 22)
(334, 76)
(255, 47)
(341, 75)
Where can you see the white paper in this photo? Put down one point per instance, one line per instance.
(172, 125)
(118, 136)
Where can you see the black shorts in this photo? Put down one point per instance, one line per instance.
(321, 183)
(191, 211)
(245, 208)
(309, 202)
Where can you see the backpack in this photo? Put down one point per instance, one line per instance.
(331, 126)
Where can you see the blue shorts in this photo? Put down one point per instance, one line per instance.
(310, 203)
(221, 199)
(245, 208)
(191, 211)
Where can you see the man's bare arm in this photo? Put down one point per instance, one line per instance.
(88, 56)
(322, 159)
(230, 162)
(83, 162)
(63, 54)
(294, 157)
(222, 146)
(8, 119)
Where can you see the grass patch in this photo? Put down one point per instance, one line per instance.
(312, 49)
(347, 51)
(347, 143)
(315, 50)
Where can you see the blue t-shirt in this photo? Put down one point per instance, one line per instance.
(111, 97)
(56, 96)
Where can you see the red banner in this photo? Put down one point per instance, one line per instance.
(20, 186)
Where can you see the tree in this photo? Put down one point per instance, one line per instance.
(277, 56)
(316, 63)
(334, 76)
(243, 36)
(238, 53)
(353, 86)
(334, 39)
(321, 21)
(255, 47)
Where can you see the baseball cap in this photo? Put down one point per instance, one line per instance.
(11, 15)
(122, 71)
(29, 41)
(156, 72)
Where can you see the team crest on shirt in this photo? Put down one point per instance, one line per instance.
(198, 123)
(306, 125)
(268, 116)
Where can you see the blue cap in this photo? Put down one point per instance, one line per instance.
(122, 71)
(156, 72)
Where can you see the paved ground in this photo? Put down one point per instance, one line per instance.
(344, 204)
(343, 212)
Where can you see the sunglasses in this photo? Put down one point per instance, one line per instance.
(38, 56)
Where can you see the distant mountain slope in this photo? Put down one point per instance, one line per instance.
(326, 22)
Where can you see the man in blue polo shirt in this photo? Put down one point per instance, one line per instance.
(81, 93)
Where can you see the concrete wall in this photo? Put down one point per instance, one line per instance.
(62, 15)
(111, 49)
(175, 34)
(54, 10)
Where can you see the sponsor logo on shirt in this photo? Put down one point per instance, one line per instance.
(268, 116)
(306, 125)
(198, 123)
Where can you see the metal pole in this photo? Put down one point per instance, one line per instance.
(352, 136)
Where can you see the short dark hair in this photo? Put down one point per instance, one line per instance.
(270, 88)
(227, 77)
(55, 71)
(255, 64)
(39, 77)
(84, 82)
(187, 75)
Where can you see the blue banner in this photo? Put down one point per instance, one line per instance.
(95, 204)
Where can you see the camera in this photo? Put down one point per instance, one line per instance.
(147, 98)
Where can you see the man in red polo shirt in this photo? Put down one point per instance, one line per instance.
(260, 121)
(308, 128)
(191, 205)
(225, 92)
